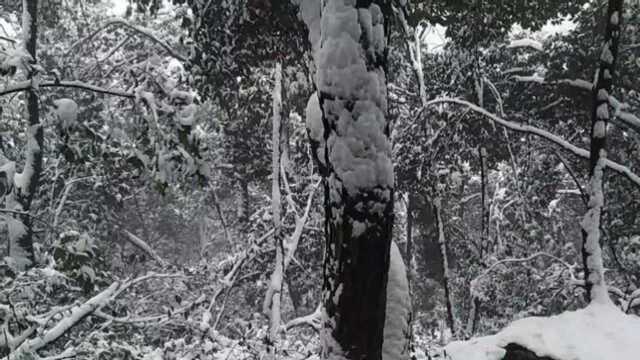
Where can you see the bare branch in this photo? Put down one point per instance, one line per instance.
(140, 31)
(7, 39)
(26, 85)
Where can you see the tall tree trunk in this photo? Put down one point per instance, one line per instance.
(442, 241)
(244, 206)
(349, 40)
(26, 183)
(484, 219)
(272, 300)
(591, 247)
(409, 245)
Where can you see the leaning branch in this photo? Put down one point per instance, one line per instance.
(621, 169)
(142, 245)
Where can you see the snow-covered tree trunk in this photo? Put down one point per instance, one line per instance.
(351, 82)
(272, 300)
(26, 183)
(347, 124)
(591, 247)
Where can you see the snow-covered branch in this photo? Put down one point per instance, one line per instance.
(75, 314)
(620, 169)
(526, 43)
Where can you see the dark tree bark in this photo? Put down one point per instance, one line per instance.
(596, 289)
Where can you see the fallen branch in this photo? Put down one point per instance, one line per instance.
(77, 314)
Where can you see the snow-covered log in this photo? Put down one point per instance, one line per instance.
(598, 332)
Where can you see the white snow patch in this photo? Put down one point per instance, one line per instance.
(314, 118)
(615, 19)
(532, 78)
(186, 115)
(67, 112)
(598, 332)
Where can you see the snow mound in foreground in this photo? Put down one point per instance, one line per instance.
(598, 332)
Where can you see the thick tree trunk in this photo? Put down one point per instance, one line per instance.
(350, 44)
(591, 248)
(26, 183)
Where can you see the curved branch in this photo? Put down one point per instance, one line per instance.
(612, 165)
(137, 30)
